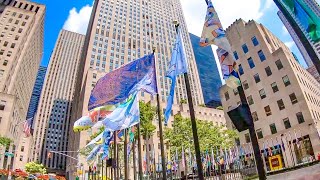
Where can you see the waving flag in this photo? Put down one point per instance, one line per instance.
(213, 33)
(116, 86)
(183, 158)
(178, 66)
(124, 116)
(27, 127)
(107, 136)
(93, 154)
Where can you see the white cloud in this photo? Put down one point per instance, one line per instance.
(290, 44)
(78, 21)
(285, 30)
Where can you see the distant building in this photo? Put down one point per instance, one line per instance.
(52, 120)
(33, 106)
(208, 72)
(314, 72)
(314, 6)
(21, 42)
(283, 97)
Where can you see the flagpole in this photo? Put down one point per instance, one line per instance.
(134, 160)
(125, 150)
(139, 153)
(163, 160)
(115, 155)
(193, 120)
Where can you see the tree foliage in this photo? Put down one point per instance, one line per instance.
(4, 141)
(33, 168)
(210, 136)
(147, 114)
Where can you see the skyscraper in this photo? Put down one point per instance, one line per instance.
(208, 72)
(298, 38)
(52, 120)
(21, 37)
(282, 95)
(124, 30)
(34, 102)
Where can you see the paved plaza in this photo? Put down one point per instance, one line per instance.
(308, 173)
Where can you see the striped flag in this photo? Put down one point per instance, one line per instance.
(27, 127)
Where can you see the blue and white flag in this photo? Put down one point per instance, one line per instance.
(124, 116)
(107, 136)
(178, 65)
(93, 154)
(116, 86)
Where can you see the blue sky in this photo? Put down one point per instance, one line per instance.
(74, 15)
(56, 15)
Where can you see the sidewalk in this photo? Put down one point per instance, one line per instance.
(307, 173)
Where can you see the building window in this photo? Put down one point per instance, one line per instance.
(250, 100)
(300, 117)
(245, 48)
(257, 78)
(22, 149)
(226, 95)
(286, 123)
(235, 92)
(235, 54)
(245, 85)
(5, 62)
(281, 104)
(2, 104)
(21, 158)
(279, 64)
(255, 116)
(273, 128)
(241, 70)
(255, 41)
(274, 87)
(259, 134)
(286, 80)
(261, 56)
(268, 71)
(268, 110)
(251, 63)
(247, 137)
(293, 98)
(262, 94)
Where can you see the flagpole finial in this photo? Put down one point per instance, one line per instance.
(154, 48)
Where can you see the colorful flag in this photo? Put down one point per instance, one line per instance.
(116, 86)
(107, 137)
(212, 159)
(82, 124)
(213, 33)
(93, 154)
(27, 127)
(178, 65)
(306, 17)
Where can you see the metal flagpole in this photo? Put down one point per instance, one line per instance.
(134, 160)
(139, 153)
(193, 121)
(114, 163)
(125, 154)
(102, 169)
(163, 160)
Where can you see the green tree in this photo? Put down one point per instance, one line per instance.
(147, 114)
(33, 168)
(4, 141)
(183, 101)
(210, 136)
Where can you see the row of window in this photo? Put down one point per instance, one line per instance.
(273, 128)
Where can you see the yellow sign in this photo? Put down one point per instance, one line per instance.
(275, 162)
(79, 172)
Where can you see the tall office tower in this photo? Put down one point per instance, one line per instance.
(208, 72)
(33, 106)
(283, 97)
(123, 30)
(52, 122)
(296, 39)
(21, 38)
(314, 7)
